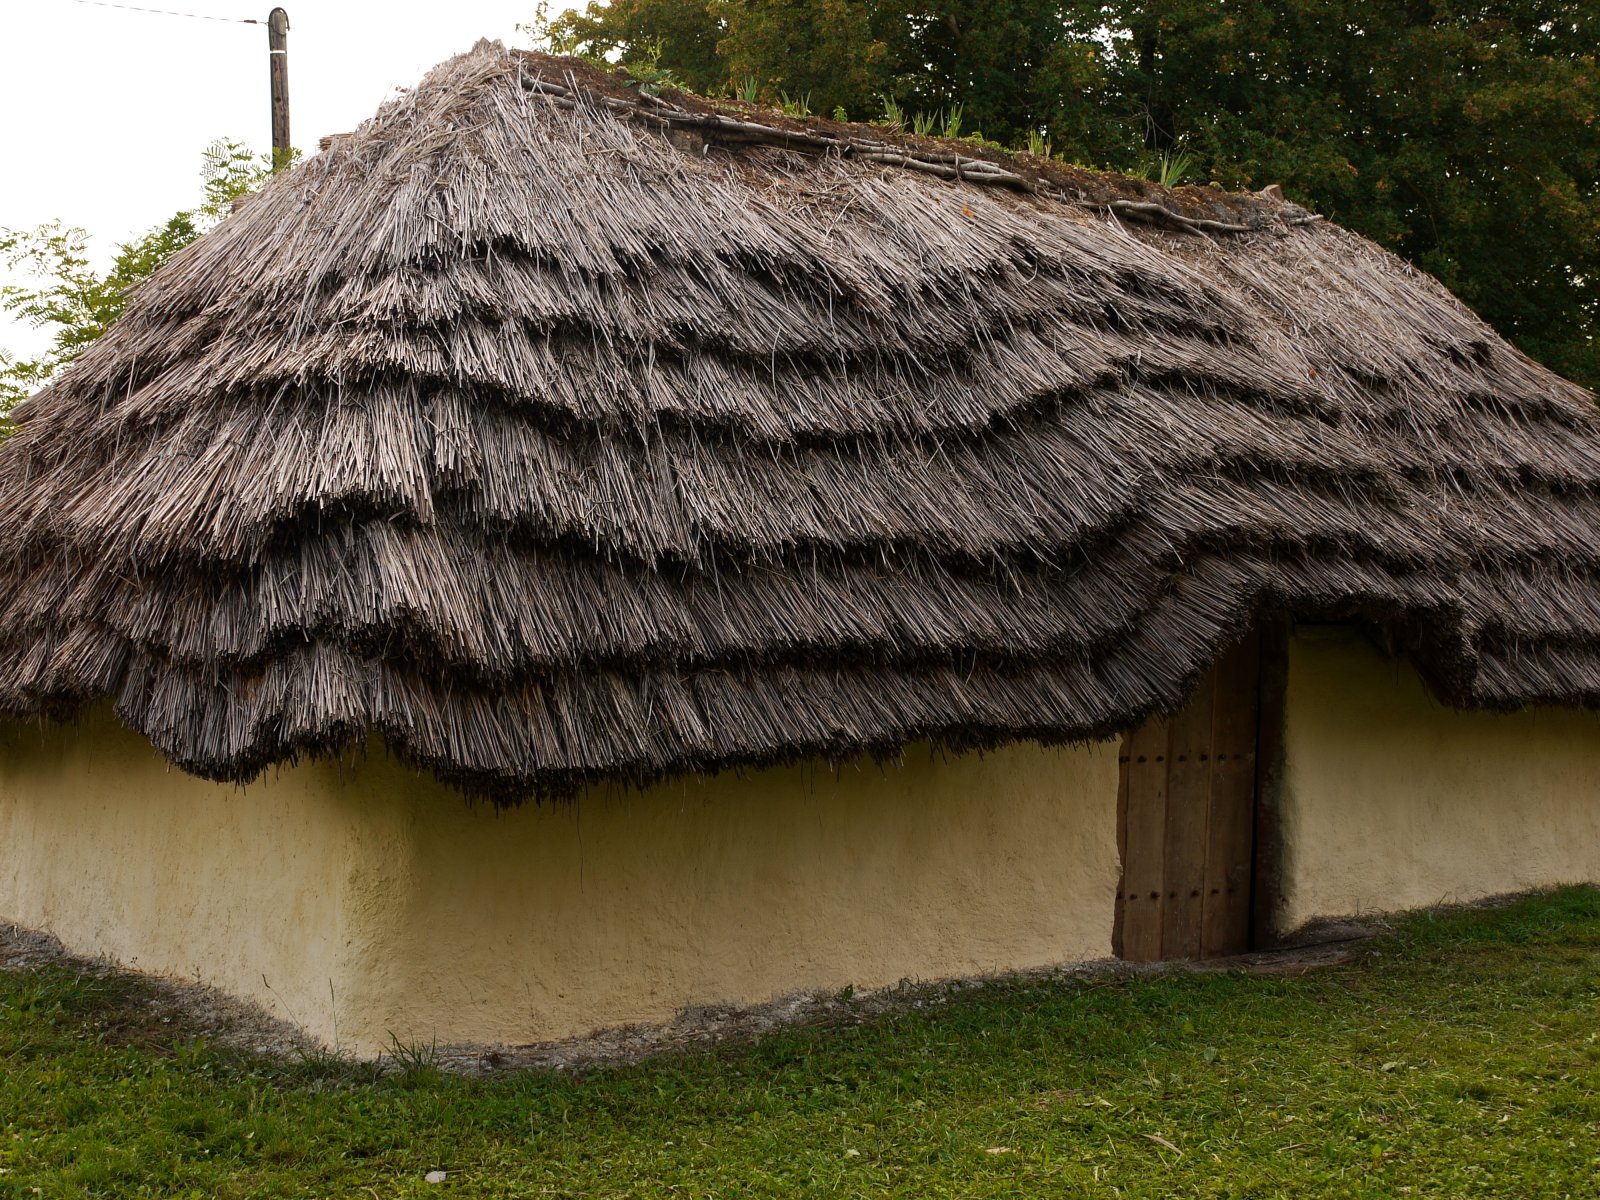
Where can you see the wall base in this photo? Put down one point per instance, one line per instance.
(361, 901)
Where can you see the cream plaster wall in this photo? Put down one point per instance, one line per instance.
(375, 901)
(273, 891)
(1391, 800)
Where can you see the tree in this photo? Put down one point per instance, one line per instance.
(682, 35)
(1014, 67)
(827, 54)
(76, 303)
(1460, 135)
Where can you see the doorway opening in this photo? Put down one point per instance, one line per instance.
(1186, 820)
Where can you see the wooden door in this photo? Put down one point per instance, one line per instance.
(1186, 818)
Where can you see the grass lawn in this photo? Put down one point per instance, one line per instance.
(1458, 1056)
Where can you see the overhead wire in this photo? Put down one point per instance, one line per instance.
(166, 12)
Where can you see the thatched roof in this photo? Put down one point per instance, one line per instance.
(561, 433)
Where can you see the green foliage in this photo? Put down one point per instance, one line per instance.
(74, 302)
(1170, 168)
(648, 75)
(826, 49)
(795, 106)
(1461, 135)
(414, 1063)
(893, 116)
(938, 124)
(1013, 65)
(680, 36)
(1455, 1056)
(70, 298)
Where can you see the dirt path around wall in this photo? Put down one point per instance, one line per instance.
(162, 1010)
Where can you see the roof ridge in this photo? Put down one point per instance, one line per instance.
(910, 152)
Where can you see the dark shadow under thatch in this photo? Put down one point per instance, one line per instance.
(560, 433)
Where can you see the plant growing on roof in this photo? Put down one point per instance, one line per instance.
(943, 123)
(1170, 168)
(893, 115)
(648, 75)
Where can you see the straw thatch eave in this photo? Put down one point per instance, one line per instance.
(560, 434)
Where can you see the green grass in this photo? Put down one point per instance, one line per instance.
(1458, 1056)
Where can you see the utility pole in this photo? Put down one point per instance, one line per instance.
(278, 59)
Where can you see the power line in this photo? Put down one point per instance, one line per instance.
(164, 12)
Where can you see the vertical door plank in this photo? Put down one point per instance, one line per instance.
(1188, 822)
(1124, 749)
(1143, 861)
(1229, 854)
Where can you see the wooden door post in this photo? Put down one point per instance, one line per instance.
(278, 58)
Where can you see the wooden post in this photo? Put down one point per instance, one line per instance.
(278, 67)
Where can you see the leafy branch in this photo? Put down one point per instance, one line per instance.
(65, 295)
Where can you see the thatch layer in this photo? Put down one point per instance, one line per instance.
(559, 433)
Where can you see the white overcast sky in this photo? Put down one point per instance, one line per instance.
(106, 111)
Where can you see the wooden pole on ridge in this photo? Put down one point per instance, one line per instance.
(278, 59)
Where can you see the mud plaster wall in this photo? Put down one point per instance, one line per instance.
(373, 901)
(1391, 800)
(273, 891)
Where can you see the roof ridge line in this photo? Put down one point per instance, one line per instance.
(717, 127)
